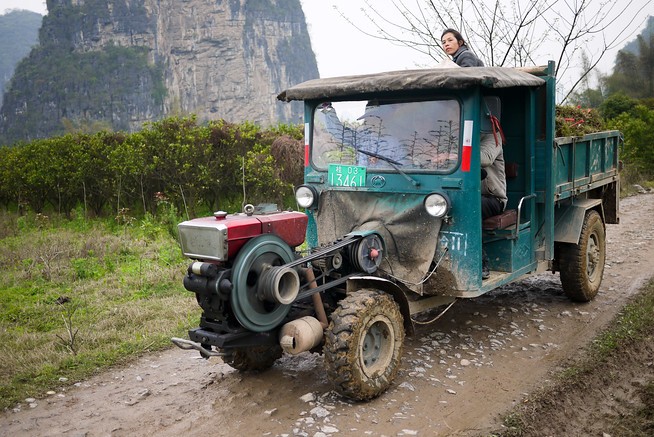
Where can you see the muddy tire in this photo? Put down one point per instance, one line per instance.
(254, 359)
(582, 265)
(363, 344)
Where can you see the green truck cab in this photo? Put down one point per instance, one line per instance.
(393, 221)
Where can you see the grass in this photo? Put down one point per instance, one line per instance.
(79, 296)
(629, 178)
(633, 326)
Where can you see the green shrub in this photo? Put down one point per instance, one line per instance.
(87, 268)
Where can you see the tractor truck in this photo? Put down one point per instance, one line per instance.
(390, 230)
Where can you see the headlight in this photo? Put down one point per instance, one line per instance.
(306, 196)
(437, 205)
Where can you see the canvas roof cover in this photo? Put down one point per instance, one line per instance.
(412, 80)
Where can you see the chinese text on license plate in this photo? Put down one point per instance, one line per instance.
(346, 175)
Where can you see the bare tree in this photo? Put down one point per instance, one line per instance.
(510, 32)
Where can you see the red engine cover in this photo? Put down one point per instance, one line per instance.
(290, 226)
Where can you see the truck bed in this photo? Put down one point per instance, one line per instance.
(585, 163)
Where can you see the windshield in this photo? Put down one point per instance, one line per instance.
(404, 136)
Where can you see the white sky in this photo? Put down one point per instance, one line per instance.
(342, 50)
(30, 5)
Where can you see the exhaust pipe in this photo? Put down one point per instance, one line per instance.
(317, 300)
(300, 335)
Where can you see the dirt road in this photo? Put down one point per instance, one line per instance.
(479, 360)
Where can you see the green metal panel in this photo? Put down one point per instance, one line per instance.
(509, 255)
(312, 234)
(569, 219)
(465, 231)
(548, 226)
(585, 163)
(596, 162)
(581, 160)
(540, 169)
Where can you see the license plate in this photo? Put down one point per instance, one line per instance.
(346, 175)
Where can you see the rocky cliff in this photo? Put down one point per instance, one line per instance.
(125, 62)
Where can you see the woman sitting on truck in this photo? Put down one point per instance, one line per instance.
(455, 46)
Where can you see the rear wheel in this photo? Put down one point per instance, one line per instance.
(256, 358)
(582, 264)
(363, 344)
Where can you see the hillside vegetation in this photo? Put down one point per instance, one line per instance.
(19, 32)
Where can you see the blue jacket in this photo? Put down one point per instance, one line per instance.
(465, 58)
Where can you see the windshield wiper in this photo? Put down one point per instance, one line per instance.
(393, 163)
(382, 157)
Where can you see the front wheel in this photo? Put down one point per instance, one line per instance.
(363, 344)
(582, 264)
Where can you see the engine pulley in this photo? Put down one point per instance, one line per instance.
(366, 254)
(255, 310)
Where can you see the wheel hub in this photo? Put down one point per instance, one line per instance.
(593, 256)
(376, 346)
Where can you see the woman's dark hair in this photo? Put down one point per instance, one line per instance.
(456, 34)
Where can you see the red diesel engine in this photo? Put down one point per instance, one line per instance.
(239, 274)
(220, 238)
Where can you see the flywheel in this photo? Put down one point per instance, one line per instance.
(252, 310)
